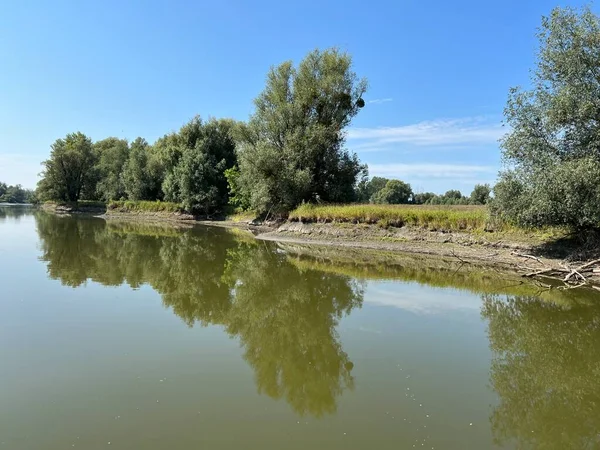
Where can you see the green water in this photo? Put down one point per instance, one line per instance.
(124, 336)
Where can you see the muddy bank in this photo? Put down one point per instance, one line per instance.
(477, 251)
(542, 260)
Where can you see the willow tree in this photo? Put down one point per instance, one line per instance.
(69, 170)
(292, 148)
(552, 152)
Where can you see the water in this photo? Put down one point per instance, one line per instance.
(123, 336)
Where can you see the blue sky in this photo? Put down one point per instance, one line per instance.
(439, 74)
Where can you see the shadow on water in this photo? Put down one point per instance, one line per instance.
(284, 308)
(285, 318)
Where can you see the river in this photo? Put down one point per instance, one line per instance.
(138, 336)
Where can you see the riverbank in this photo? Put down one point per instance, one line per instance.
(543, 254)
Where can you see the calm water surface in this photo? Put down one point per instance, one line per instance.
(123, 336)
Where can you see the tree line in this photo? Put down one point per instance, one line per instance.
(15, 194)
(382, 190)
(292, 148)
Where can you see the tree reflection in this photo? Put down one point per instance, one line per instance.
(14, 211)
(284, 317)
(286, 320)
(546, 371)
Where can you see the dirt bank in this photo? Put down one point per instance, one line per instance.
(523, 254)
(519, 254)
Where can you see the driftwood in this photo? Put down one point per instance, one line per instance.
(572, 277)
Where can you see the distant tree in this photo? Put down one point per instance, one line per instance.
(292, 149)
(453, 194)
(138, 180)
(481, 194)
(13, 194)
(423, 198)
(367, 188)
(395, 192)
(553, 147)
(112, 153)
(69, 169)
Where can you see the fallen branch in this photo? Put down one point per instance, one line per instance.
(535, 258)
(590, 264)
(538, 272)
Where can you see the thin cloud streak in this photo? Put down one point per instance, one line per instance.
(429, 171)
(467, 132)
(378, 101)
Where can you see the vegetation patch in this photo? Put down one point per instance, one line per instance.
(144, 206)
(434, 218)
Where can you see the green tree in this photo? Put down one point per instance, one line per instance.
(239, 199)
(139, 182)
(112, 153)
(292, 149)
(395, 192)
(197, 159)
(367, 188)
(481, 194)
(69, 170)
(453, 194)
(553, 149)
(14, 194)
(423, 198)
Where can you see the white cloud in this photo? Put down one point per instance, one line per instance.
(377, 101)
(470, 131)
(428, 171)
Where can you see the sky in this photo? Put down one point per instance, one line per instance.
(439, 74)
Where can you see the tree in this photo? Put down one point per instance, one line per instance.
(196, 160)
(423, 198)
(553, 149)
(138, 180)
(112, 153)
(367, 188)
(453, 194)
(481, 194)
(395, 192)
(69, 170)
(14, 194)
(292, 149)
(239, 199)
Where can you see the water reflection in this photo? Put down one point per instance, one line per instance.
(14, 211)
(284, 317)
(545, 370)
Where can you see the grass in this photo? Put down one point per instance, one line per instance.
(434, 218)
(144, 206)
(79, 204)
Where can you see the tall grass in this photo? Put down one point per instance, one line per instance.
(435, 218)
(143, 206)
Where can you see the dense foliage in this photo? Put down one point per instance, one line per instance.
(553, 149)
(15, 194)
(292, 148)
